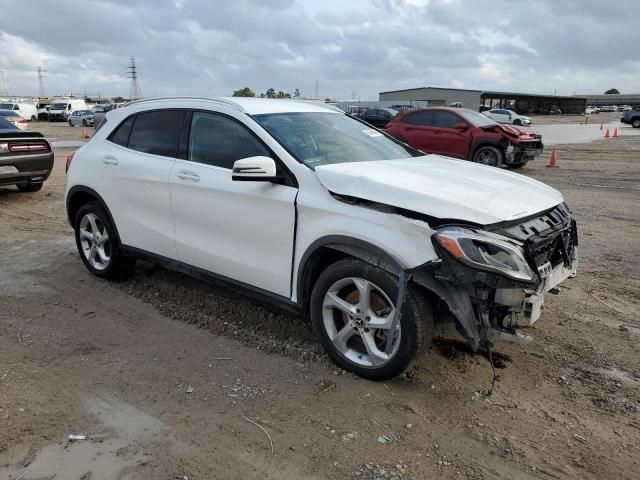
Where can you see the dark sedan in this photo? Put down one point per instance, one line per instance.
(26, 158)
(378, 117)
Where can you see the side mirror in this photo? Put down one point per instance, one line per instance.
(254, 169)
(461, 126)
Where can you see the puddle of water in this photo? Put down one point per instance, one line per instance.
(100, 458)
(129, 422)
(95, 460)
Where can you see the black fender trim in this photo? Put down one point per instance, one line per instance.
(458, 302)
(355, 247)
(98, 198)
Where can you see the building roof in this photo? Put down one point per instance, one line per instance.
(432, 88)
(487, 92)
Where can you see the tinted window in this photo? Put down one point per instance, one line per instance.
(420, 118)
(446, 119)
(371, 113)
(157, 132)
(121, 134)
(220, 141)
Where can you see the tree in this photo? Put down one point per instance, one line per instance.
(244, 92)
(271, 93)
(612, 91)
(296, 93)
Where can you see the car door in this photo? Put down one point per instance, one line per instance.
(241, 230)
(448, 140)
(416, 129)
(135, 164)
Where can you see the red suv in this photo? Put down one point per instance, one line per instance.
(467, 134)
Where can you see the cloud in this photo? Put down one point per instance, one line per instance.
(199, 47)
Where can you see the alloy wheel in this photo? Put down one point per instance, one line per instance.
(95, 242)
(487, 157)
(358, 318)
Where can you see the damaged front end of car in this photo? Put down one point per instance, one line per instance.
(494, 279)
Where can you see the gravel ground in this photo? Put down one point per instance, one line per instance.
(171, 378)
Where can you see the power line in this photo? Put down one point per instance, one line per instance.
(132, 73)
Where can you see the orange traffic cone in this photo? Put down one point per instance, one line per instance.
(615, 133)
(85, 134)
(606, 133)
(553, 162)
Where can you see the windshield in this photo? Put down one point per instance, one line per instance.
(58, 106)
(6, 106)
(319, 138)
(477, 119)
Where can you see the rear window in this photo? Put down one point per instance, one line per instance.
(120, 135)
(157, 132)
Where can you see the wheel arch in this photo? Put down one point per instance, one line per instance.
(331, 248)
(81, 195)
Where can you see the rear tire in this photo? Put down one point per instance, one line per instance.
(29, 187)
(97, 244)
(489, 156)
(33, 117)
(348, 334)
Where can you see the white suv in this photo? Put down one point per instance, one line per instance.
(308, 208)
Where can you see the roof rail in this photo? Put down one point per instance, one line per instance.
(209, 99)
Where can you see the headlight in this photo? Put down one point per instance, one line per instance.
(485, 252)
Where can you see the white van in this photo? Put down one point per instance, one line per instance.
(28, 111)
(61, 108)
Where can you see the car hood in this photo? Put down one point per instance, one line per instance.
(442, 187)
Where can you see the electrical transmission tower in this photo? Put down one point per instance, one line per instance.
(40, 83)
(4, 89)
(134, 91)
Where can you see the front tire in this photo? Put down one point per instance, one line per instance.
(489, 156)
(97, 244)
(636, 123)
(84, 123)
(517, 121)
(70, 123)
(352, 307)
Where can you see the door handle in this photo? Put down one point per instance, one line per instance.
(110, 160)
(187, 175)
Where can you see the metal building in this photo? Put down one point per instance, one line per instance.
(523, 103)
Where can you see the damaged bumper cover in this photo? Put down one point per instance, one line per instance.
(495, 279)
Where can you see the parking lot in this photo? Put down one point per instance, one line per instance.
(173, 378)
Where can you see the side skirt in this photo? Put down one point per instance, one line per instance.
(245, 289)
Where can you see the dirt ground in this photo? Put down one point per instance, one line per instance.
(173, 379)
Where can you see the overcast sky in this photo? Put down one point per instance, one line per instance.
(351, 47)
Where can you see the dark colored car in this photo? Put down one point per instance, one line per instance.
(378, 117)
(631, 117)
(26, 158)
(466, 134)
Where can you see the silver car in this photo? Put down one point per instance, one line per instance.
(81, 117)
